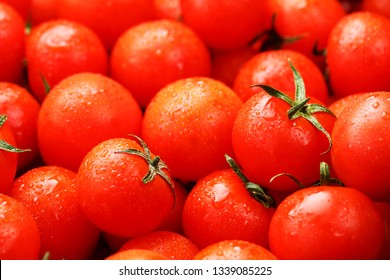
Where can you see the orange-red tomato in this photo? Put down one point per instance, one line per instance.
(136, 254)
(167, 9)
(43, 10)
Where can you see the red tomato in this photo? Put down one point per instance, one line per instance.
(309, 20)
(195, 116)
(170, 244)
(136, 254)
(153, 54)
(108, 18)
(327, 222)
(234, 250)
(226, 24)
(19, 235)
(114, 191)
(377, 6)
(43, 10)
(86, 109)
(358, 54)
(220, 207)
(361, 150)
(57, 49)
(21, 109)
(338, 105)
(50, 194)
(12, 44)
(272, 68)
(167, 9)
(384, 209)
(21, 6)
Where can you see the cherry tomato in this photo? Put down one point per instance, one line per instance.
(59, 48)
(19, 235)
(327, 222)
(123, 188)
(49, 193)
(226, 24)
(358, 54)
(234, 250)
(170, 244)
(21, 6)
(384, 209)
(195, 116)
(22, 110)
(43, 10)
(86, 108)
(338, 105)
(136, 254)
(361, 151)
(167, 9)
(108, 18)
(12, 40)
(377, 6)
(153, 54)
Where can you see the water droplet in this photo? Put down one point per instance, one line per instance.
(100, 171)
(220, 192)
(375, 105)
(386, 116)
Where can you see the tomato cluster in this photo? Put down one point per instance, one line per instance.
(195, 129)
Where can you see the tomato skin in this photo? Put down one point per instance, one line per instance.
(21, 6)
(376, 6)
(170, 244)
(195, 116)
(136, 254)
(173, 49)
(8, 160)
(327, 222)
(87, 108)
(112, 194)
(226, 24)
(22, 110)
(59, 48)
(220, 208)
(12, 40)
(43, 10)
(384, 209)
(234, 250)
(267, 143)
(354, 43)
(361, 153)
(338, 105)
(167, 9)
(272, 68)
(19, 235)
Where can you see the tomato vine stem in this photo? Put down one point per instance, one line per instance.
(5, 146)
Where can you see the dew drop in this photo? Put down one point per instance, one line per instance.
(375, 105)
(386, 116)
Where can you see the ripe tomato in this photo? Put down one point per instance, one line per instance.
(136, 254)
(19, 235)
(108, 18)
(234, 250)
(309, 20)
(226, 24)
(267, 141)
(376, 6)
(86, 108)
(42, 10)
(272, 68)
(338, 105)
(170, 244)
(384, 209)
(21, 6)
(195, 116)
(219, 207)
(167, 9)
(21, 109)
(358, 54)
(173, 49)
(50, 194)
(361, 151)
(59, 48)
(12, 44)
(327, 222)
(123, 188)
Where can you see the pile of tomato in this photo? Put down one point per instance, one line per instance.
(194, 129)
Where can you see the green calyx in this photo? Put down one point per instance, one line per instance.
(6, 146)
(156, 165)
(299, 106)
(255, 190)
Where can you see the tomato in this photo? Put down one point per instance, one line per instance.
(327, 222)
(384, 209)
(195, 116)
(108, 18)
(167, 9)
(22, 110)
(170, 244)
(136, 254)
(377, 6)
(355, 43)
(43, 10)
(115, 193)
(361, 151)
(49, 193)
(19, 235)
(21, 6)
(338, 105)
(59, 48)
(12, 44)
(219, 207)
(226, 24)
(310, 21)
(234, 250)
(272, 68)
(267, 141)
(86, 108)
(173, 49)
